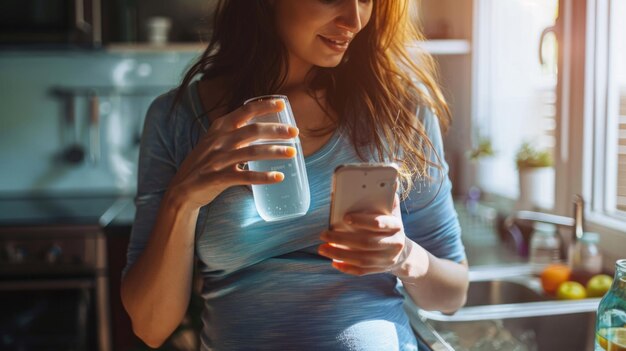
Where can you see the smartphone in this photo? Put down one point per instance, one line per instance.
(362, 187)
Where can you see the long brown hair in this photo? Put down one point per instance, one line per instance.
(374, 92)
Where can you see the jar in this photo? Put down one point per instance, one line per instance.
(585, 258)
(611, 317)
(544, 244)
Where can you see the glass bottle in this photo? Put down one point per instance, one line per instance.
(544, 244)
(291, 197)
(611, 317)
(585, 258)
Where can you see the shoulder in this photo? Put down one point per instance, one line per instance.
(174, 112)
(171, 123)
(171, 107)
(429, 120)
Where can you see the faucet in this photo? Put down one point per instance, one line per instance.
(579, 212)
(576, 223)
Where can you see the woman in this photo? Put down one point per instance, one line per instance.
(271, 285)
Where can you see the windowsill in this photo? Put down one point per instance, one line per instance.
(612, 231)
(483, 243)
(614, 224)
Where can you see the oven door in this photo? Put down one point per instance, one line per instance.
(55, 314)
(50, 22)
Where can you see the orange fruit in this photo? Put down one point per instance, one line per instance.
(553, 275)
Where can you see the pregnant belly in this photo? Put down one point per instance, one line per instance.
(296, 311)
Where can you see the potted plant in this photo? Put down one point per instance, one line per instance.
(481, 156)
(482, 150)
(536, 181)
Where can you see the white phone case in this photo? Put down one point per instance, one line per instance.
(362, 187)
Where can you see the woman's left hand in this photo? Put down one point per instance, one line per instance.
(375, 243)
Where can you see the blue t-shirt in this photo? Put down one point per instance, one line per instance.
(264, 285)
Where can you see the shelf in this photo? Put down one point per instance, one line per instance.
(85, 91)
(434, 47)
(444, 46)
(151, 48)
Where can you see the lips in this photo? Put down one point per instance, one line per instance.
(336, 43)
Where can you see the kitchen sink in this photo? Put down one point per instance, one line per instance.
(506, 309)
(557, 332)
(496, 292)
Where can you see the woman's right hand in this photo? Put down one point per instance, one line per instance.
(211, 167)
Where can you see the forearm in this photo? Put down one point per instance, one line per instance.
(431, 282)
(156, 290)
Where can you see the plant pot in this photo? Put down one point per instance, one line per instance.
(536, 188)
(485, 170)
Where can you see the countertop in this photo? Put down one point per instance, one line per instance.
(48, 210)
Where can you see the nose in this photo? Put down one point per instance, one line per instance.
(350, 17)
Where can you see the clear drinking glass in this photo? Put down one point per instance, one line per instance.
(291, 197)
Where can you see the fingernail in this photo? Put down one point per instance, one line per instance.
(294, 131)
(278, 176)
(290, 151)
(280, 104)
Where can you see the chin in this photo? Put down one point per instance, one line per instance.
(330, 62)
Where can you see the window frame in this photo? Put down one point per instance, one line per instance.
(583, 87)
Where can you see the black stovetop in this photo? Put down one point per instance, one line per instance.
(61, 210)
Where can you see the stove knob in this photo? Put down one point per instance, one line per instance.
(53, 254)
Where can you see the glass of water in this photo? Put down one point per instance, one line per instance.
(291, 197)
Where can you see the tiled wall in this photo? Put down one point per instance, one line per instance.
(33, 126)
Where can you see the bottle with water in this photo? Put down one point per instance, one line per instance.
(291, 197)
(611, 316)
(544, 244)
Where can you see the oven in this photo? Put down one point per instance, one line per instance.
(53, 275)
(51, 23)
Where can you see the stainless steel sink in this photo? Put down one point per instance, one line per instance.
(557, 332)
(497, 292)
(506, 310)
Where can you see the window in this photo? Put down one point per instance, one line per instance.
(590, 123)
(618, 66)
(609, 114)
(577, 111)
(621, 158)
(514, 89)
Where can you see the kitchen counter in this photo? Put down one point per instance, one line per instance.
(506, 306)
(126, 214)
(56, 209)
